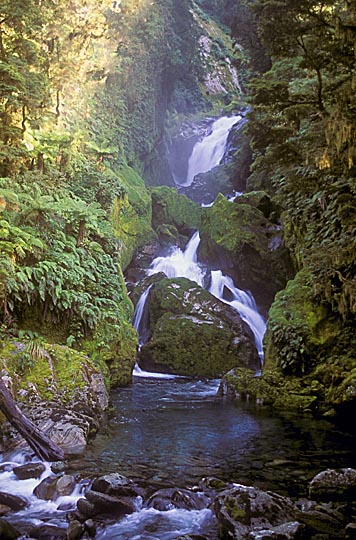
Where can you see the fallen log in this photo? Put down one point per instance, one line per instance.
(42, 445)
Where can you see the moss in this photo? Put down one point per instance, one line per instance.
(171, 208)
(56, 371)
(298, 329)
(194, 333)
(132, 214)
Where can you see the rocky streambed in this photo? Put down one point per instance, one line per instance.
(112, 506)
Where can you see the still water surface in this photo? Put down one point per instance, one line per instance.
(174, 432)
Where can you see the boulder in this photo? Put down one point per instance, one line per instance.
(75, 530)
(109, 505)
(29, 470)
(115, 484)
(288, 531)
(7, 531)
(171, 208)
(65, 485)
(13, 501)
(193, 333)
(242, 510)
(46, 489)
(334, 485)
(169, 498)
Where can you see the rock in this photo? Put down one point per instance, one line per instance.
(111, 505)
(75, 530)
(241, 510)
(115, 484)
(86, 508)
(4, 509)
(7, 531)
(13, 501)
(65, 485)
(90, 527)
(287, 531)
(322, 521)
(350, 531)
(169, 498)
(194, 333)
(49, 532)
(206, 186)
(334, 485)
(58, 467)
(46, 489)
(173, 209)
(30, 470)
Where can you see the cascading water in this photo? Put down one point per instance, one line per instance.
(138, 317)
(181, 263)
(209, 152)
(243, 302)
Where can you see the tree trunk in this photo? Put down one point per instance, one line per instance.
(43, 447)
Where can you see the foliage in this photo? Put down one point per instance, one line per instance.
(303, 138)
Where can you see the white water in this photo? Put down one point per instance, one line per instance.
(153, 524)
(181, 263)
(243, 302)
(138, 315)
(38, 510)
(208, 152)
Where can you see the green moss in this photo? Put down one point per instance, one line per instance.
(298, 329)
(171, 208)
(56, 371)
(193, 333)
(132, 214)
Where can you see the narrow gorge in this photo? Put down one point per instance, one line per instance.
(177, 279)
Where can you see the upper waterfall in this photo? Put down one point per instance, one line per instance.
(209, 152)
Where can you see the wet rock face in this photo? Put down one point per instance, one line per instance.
(193, 333)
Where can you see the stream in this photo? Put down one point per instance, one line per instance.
(171, 431)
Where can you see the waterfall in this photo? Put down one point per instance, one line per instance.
(243, 302)
(181, 263)
(208, 152)
(138, 317)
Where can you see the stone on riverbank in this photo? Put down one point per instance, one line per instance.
(334, 485)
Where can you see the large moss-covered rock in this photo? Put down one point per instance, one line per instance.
(310, 363)
(193, 333)
(238, 239)
(169, 208)
(298, 328)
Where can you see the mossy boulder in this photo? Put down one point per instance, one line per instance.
(169, 208)
(238, 239)
(298, 328)
(272, 388)
(310, 361)
(193, 333)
